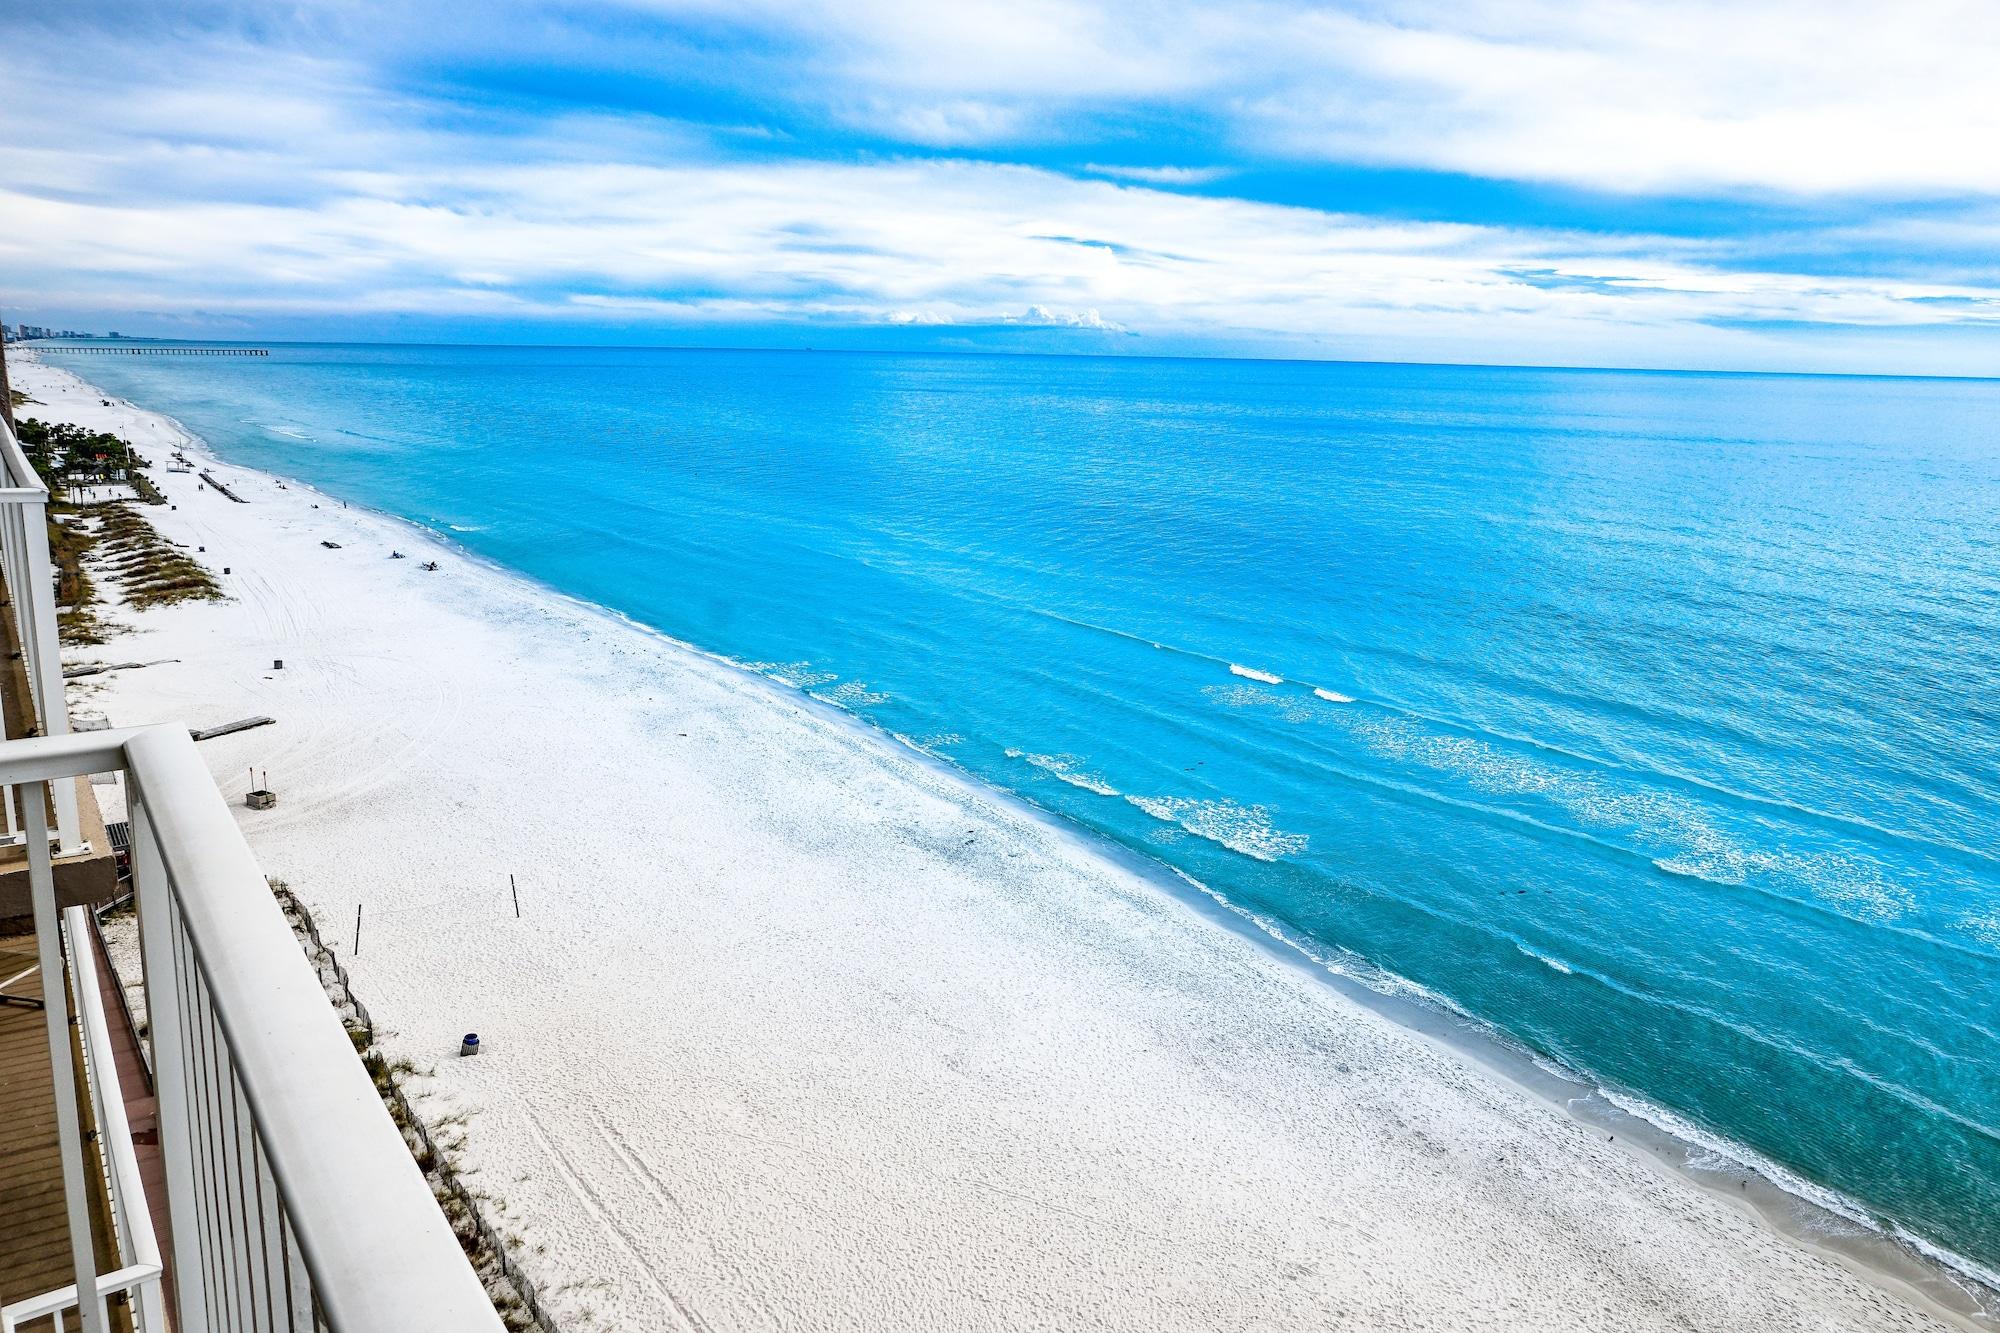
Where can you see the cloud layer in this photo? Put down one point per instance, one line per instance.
(1819, 194)
(1757, 95)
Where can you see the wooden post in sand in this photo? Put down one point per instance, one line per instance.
(356, 950)
(513, 889)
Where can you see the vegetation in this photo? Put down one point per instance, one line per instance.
(148, 569)
(76, 595)
(108, 539)
(115, 544)
(64, 455)
(435, 1146)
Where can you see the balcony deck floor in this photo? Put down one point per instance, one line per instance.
(34, 1230)
(34, 1221)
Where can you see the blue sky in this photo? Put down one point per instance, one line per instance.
(1766, 184)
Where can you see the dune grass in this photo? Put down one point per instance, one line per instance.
(146, 568)
(111, 547)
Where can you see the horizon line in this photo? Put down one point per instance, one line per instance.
(40, 344)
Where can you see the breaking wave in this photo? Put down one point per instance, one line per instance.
(1244, 829)
(1680, 835)
(1291, 707)
(1546, 961)
(798, 675)
(851, 694)
(1066, 768)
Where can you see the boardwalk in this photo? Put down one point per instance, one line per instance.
(158, 351)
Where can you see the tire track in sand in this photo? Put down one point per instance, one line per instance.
(658, 1189)
(595, 1206)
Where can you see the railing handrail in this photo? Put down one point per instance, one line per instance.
(63, 1299)
(76, 755)
(134, 1226)
(379, 1251)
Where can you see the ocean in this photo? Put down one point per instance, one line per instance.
(1649, 719)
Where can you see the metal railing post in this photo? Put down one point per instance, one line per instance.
(45, 666)
(135, 1249)
(24, 547)
(153, 895)
(55, 1006)
(292, 1192)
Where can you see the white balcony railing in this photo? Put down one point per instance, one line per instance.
(31, 599)
(292, 1200)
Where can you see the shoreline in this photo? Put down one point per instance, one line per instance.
(1883, 1259)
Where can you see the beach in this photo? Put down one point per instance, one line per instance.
(795, 1028)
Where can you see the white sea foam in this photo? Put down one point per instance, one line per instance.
(1349, 966)
(1291, 707)
(851, 694)
(1254, 674)
(1245, 829)
(1066, 768)
(1985, 929)
(1722, 1154)
(1707, 1152)
(1547, 961)
(930, 745)
(798, 675)
(1857, 883)
(1681, 834)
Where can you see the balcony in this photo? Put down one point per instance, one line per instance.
(248, 1177)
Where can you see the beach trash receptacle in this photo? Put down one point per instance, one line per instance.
(470, 1046)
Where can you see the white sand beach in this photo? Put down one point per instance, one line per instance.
(797, 1030)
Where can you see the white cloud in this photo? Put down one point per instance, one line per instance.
(1043, 317)
(250, 181)
(1773, 95)
(954, 242)
(1805, 96)
(1160, 175)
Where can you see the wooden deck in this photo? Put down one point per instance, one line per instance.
(34, 1231)
(34, 1225)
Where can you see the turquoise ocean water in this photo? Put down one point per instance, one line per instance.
(1653, 719)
